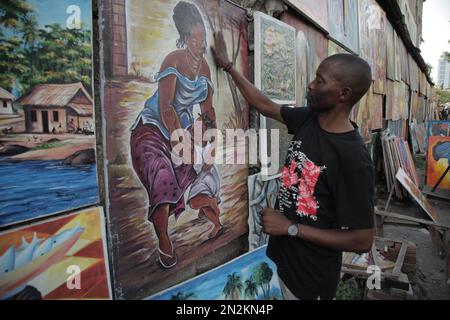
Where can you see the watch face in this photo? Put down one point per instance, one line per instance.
(293, 230)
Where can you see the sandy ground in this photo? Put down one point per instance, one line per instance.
(430, 279)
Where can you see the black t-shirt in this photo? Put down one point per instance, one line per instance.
(327, 183)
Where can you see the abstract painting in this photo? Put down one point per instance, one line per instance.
(438, 128)
(252, 276)
(275, 54)
(47, 141)
(417, 195)
(61, 258)
(438, 161)
(343, 23)
(262, 193)
(314, 10)
(165, 214)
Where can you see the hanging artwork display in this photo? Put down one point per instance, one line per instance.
(275, 76)
(60, 258)
(372, 34)
(311, 51)
(438, 162)
(47, 140)
(316, 11)
(390, 51)
(275, 54)
(166, 213)
(417, 195)
(262, 193)
(343, 23)
(252, 276)
(438, 128)
(376, 113)
(364, 116)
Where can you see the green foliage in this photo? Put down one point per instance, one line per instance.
(350, 289)
(444, 96)
(33, 55)
(233, 287)
(49, 145)
(262, 274)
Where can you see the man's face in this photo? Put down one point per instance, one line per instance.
(324, 91)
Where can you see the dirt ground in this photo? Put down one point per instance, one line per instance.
(429, 282)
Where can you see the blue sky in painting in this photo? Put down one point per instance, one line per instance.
(51, 11)
(209, 286)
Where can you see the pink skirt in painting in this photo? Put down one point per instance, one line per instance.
(164, 182)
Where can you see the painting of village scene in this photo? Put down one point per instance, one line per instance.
(165, 215)
(252, 276)
(47, 141)
(58, 258)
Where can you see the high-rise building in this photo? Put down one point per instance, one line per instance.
(443, 80)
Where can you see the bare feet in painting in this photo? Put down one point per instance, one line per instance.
(216, 231)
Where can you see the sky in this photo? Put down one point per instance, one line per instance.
(50, 11)
(435, 32)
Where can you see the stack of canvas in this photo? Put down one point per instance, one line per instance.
(396, 154)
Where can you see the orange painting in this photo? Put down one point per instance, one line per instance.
(438, 159)
(62, 258)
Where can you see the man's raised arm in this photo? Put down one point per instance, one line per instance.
(254, 97)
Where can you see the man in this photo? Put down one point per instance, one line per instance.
(326, 195)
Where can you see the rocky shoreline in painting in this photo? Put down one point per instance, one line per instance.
(70, 150)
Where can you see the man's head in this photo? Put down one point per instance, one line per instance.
(341, 80)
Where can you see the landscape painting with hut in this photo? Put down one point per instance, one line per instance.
(47, 141)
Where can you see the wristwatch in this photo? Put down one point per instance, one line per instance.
(293, 230)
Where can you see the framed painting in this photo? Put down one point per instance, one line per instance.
(59, 258)
(252, 276)
(275, 58)
(168, 212)
(343, 23)
(263, 193)
(316, 11)
(48, 158)
(438, 161)
(416, 194)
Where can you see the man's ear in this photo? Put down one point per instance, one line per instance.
(346, 94)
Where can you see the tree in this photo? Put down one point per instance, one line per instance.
(12, 11)
(250, 289)
(262, 274)
(183, 296)
(444, 96)
(233, 287)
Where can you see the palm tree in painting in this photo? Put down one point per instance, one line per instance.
(183, 296)
(233, 287)
(262, 274)
(250, 289)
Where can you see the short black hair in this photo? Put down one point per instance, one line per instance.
(186, 16)
(353, 72)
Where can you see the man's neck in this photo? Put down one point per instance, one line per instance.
(336, 120)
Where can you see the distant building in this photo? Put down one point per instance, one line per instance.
(57, 108)
(6, 102)
(443, 80)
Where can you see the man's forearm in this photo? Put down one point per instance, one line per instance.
(359, 240)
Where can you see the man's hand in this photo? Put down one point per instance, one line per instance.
(219, 50)
(275, 223)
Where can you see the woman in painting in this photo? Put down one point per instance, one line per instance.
(183, 81)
